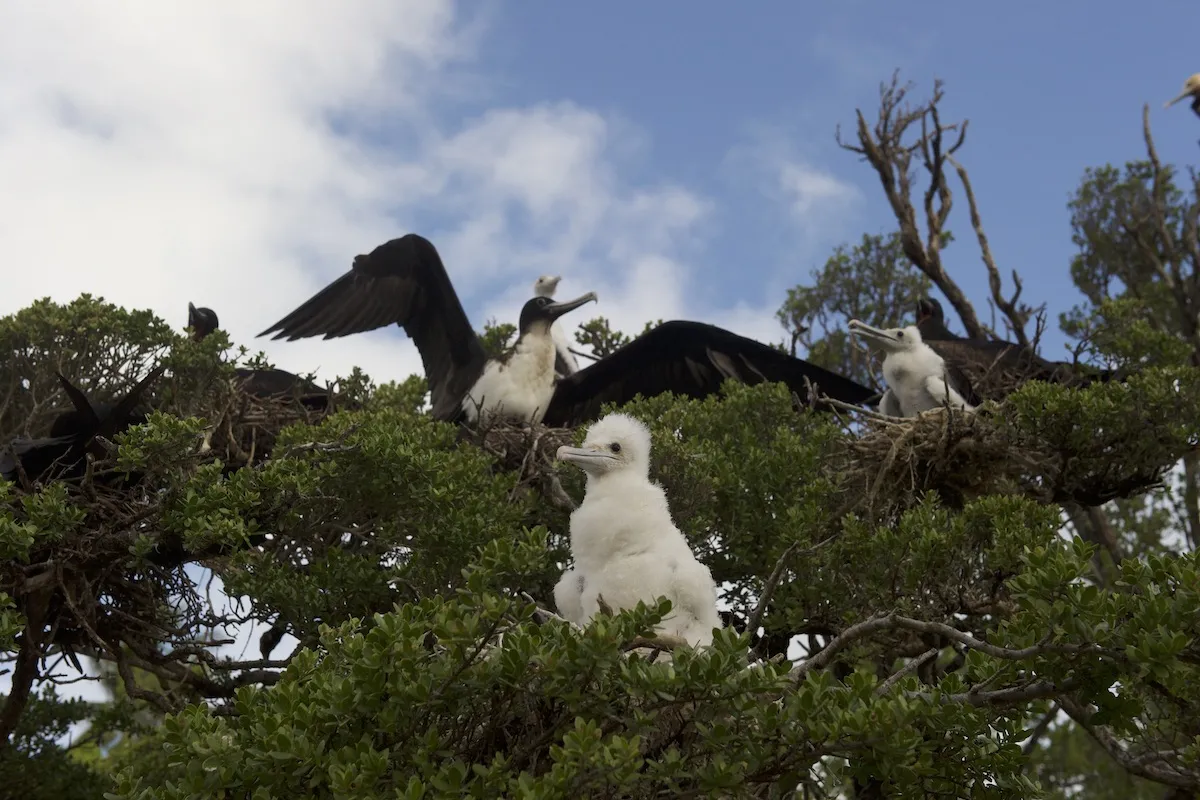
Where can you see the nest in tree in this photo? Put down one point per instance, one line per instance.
(245, 427)
(964, 455)
(528, 450)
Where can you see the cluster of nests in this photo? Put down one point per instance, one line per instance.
(889, 464)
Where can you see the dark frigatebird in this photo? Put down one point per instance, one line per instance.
(404, 281)
(996, 367)
(691, 359)
(261, 383)
(73, 434)
(1191, 88)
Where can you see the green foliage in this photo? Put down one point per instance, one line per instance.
(37, 766)
(872, 281)
(600, 338)
(497, 338)
(407, 396)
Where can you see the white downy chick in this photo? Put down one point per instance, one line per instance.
(625, 545)
(918, 378)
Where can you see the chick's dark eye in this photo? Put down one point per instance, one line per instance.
(615, 447)
(899, 334)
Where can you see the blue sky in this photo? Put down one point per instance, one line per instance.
(1050, 89)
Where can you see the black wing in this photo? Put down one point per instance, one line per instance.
(691, 359)
(40, 457)
(961, 383)
(273, 382)
(403, 282)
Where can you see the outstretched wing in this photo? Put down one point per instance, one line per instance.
(691, 359)
(402, 281)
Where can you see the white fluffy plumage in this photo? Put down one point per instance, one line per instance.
(545, 286)
(917, 377)
(624, 543)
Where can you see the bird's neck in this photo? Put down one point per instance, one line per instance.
(536, 344)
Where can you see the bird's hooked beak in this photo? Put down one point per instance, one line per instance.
(1186, 94)
(1191, 88)
(587, 458)
(194, 322)
(885, 338)
(556, 310)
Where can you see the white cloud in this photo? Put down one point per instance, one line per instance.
(210, 155)
(815, 203)
(811, 191)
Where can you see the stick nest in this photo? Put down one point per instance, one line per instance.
(964, 455)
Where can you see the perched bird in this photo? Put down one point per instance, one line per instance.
(691, 359)
(918, 378)
(201, 322)
(993, 366)
(262, 383)
(1191, 88)
(565, 362)
(73, 434)
(404, 282)
(625, 546)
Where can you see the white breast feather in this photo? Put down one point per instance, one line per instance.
(906, 373)
(563, 347)
(518, 389)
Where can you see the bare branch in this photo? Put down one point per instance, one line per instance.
(1168, 769)
(1017, 316)
(885, 150)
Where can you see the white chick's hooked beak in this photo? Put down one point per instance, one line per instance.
(589, 457)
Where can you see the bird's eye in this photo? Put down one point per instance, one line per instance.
(615, 447)
(899, 334)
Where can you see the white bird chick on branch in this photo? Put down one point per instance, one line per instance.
(918, 378)
(565, 362)
(1191, 88)
(625, 545)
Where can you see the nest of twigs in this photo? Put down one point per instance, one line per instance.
(963, 455)
(528, 450)
(245, 427)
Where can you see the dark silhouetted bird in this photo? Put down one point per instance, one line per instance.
(73, 434)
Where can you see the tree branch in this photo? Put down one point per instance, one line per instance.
(885, 150)
(1018, 316)
(1166, 771)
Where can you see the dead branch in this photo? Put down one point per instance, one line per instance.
(1018, 316)
(885, 149)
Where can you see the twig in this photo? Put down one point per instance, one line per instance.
(912, 666)
(1016, 317)
(772, 583)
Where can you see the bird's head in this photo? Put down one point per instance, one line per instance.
(1191, 88)
(889, 340)
(928, 308)
(202, 321)
(546, 285)
(616, 442)
(541, 312)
